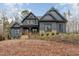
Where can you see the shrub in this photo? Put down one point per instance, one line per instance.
(9, 37)
(52, 33)
(57, 33)
(47, 34)
(42, 34)
(2, 38)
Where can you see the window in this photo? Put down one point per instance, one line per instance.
(48, 27)
(36, 21)
(32, 21)
(16, 31)
(26, 22)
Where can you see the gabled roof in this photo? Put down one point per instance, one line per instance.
(15, 25)
(30, 16)
(48, 17)
(54, 16)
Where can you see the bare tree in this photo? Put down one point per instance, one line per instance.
(4, 18)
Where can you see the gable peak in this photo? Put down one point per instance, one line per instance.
(52, 9)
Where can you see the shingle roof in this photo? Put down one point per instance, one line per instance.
(48, 17)
(30, 16)
(54, 16)
(16, 24)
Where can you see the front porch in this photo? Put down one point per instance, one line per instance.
(29, 29)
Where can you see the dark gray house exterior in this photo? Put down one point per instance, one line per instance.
(30, 24)
(16, 30)
(52, 21)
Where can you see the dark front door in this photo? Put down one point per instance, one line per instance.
(34, 29)
(25, 31)
(30, 29)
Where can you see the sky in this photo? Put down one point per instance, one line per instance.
(39, 9)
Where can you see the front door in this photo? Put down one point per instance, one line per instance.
(25, 31)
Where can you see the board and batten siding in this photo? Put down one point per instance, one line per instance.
(63, 27)
(42, 26)
(16, 33)
(55, 27)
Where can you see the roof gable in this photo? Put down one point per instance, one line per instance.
(48, 17)
(15, 25)
(55, 15)
(54, 12)
(30, 16)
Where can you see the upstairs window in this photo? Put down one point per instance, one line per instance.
(30, 22)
